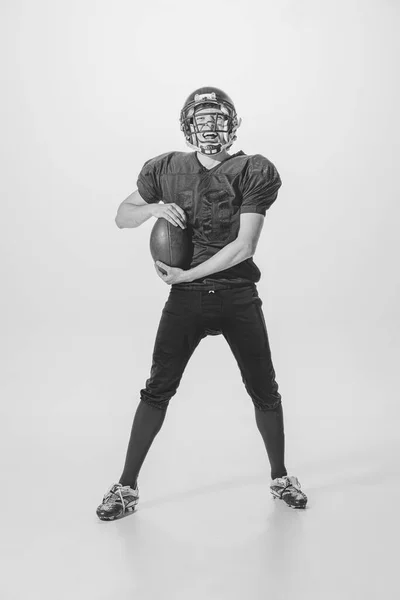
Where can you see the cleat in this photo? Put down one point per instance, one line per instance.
(118, 501)
(289, 490)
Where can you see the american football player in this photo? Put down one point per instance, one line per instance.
(221, 199)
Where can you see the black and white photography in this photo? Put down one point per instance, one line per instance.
(200, 300)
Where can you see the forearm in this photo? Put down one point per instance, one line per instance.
(130, 215)
(229, 256)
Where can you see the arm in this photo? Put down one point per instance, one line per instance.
(243, 247)
(133, 211)
(232, 254)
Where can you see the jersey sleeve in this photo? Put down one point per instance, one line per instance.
(148, 183)
(260, 185)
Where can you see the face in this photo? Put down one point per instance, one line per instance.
(207, 124)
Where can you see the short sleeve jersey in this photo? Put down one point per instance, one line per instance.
(213, 200)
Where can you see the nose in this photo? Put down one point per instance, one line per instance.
(210, 124)
(209, 129)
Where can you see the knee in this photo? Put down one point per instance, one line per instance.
(159, 402)
(267, 405)
(264, 396)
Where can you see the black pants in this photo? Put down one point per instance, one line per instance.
(188, 316)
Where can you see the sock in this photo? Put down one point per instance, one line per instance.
(270, 425)
(146, 424)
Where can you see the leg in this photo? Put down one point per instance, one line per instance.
(246, 333)
(146, 424)
(177, 337)
(270, 425)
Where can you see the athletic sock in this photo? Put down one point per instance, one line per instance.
(146, 424)
(270, 425)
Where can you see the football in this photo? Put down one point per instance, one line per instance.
(171, 244)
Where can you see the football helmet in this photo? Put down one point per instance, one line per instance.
(209, 121)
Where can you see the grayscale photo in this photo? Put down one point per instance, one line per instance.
(200, 291)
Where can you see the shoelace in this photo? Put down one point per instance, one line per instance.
(113, 491)
(292, 485)
(291, 482)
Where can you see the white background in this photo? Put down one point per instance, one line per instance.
(90, 91)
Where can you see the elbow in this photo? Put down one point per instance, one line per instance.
(120, 222)
(250, 253)
(248, 250)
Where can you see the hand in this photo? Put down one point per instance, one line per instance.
(171, 212)
(174, 274)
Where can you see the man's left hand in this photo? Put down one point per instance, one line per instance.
(174, 274)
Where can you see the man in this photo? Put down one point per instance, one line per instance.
(221, 199)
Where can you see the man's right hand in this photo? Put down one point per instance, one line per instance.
(171, 212)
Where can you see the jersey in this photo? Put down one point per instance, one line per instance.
(213, 200)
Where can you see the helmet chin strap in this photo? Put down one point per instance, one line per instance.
(209, 149)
